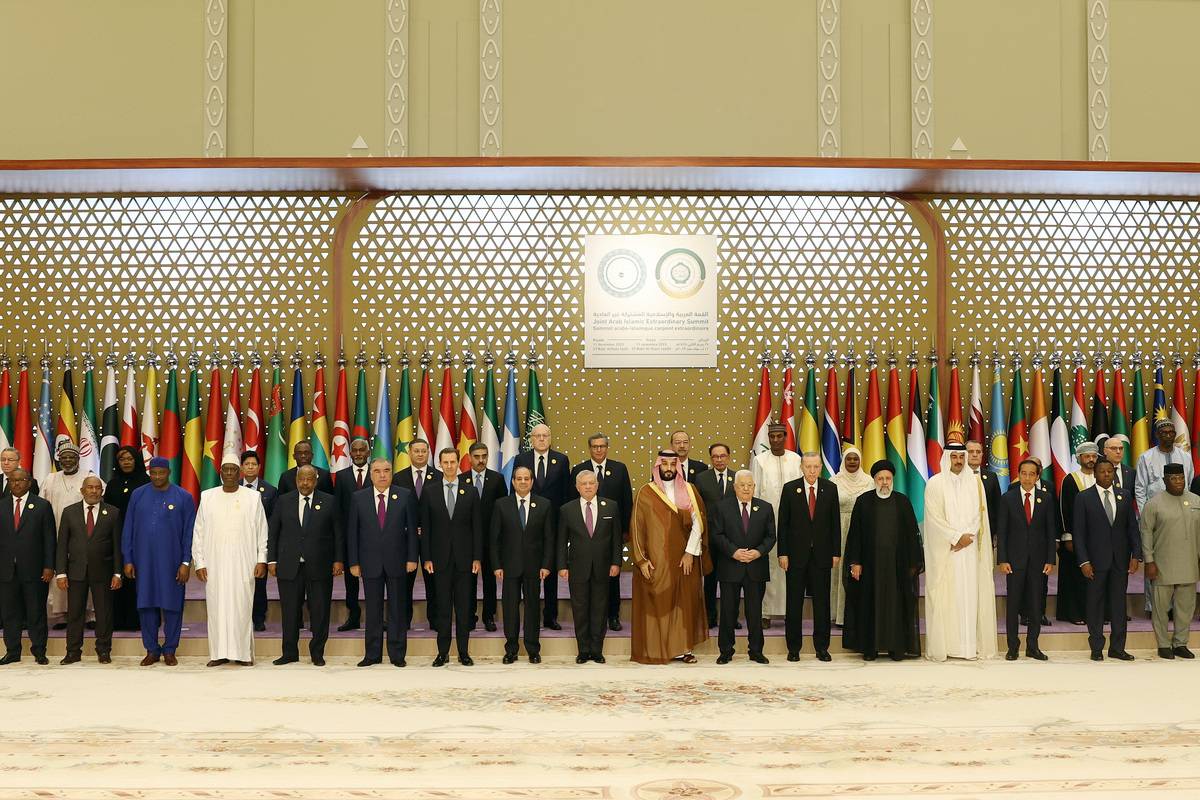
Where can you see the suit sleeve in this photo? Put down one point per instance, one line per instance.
(273, 537)
(834, 524)
(116, 540)
(494, 538)
(414, 541)
(1052, 533)
(1133, 535)
(60, 558)
(352, 554)
(768, 541)
(127, 536)
(1079, 528)
(476, 530)
(1002, 534)
(618, 548)
(49, 540)
(717, 537)
(626, 503)
(549, 546)
(560, 544)
(782, 549)
(426, 550)
(1066, 509)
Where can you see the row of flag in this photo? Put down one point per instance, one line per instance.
(195, 445)
(915, 441)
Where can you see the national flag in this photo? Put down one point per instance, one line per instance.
(43, 461)
(1118, 413)
(850, 432)
(918, 462)
(1139, 431)
(935, 439)
(193, 434)
(468, 432)
(956, 431)
(130, 435)
(1078, 428)
(361, 427)
(535, 414)
(446, 434)
(1179, 416)
(998, 443)
(110, 421)
(831, 440)
(787, 408)
(23, 424)
(873, 448)
(339, 446)
(406, 424)
(1195, 416)
(489, 425)
(425, 430)
(809, 430)
(65, 432)
(319, 436)
(510, 444)
(1062, 455)
(1160, 399)
(232, 443)
(214, 431)
(1039, 423)
(894, 445)
(149, 437)
(6, 420)
(277, 455)
(253, 433)
(170, 445)
(1099, 426)
(89, 440)
(382, 444)
(762, 414)
(975, 431)
(1018, 435)
(298, 426)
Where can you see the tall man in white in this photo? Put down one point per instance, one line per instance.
(771, 471)
(960, 595)
(229, 550)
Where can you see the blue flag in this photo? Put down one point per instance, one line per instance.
(510, 443)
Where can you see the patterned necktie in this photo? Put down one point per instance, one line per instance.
(812, 502)
(450, 499)
(420, 482)
(541, 470)
(91, 522)
(589, 520)
(1108, 506)
(16, 513)
(521, 513)
(304, 515)
(745, 518)
(381, 512)
(1028, 510)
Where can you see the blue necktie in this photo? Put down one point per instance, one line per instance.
(521, 514)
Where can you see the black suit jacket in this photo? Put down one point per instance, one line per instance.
(451, 542)
(269, 495)
(800, 537)
(31, 548)
(1106, 546)
(33, 484)
(710, 493)
(319, 543)
(557, 486)
(589, 556)
(1025, 545)
(522, 551)
(287, 481)
(991, 495)
(391, 547)
(80, 557)
(345, 484)
(494, 488)
(614, 485)
(727, 535)
(404, 478)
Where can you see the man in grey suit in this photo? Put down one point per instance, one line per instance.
(89, 559)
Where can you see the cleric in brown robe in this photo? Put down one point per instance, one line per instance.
(669, 547)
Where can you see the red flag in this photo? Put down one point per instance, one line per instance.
(131, 434)
(23, 425)
(850, 431)
(425, 412)
(446, 435)
(252, 432)
(1195, 418)
(170, 441)
(788, 408)
(339, 447)
(214, 434)
(762, 414)
(955, 430)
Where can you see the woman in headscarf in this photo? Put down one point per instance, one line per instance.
(852, 480)
(130, 473)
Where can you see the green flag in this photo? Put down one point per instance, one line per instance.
(277, 454)
(1139, 434)
(169, 441)
(406, 424)
(534, 413)
(361, 428)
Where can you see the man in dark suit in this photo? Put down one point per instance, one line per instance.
(27, 550)
(382, 548)
(991, 484)
(521, 538)
(589, 557)
(742, 535)
(10, 459)
(452, 549)
(302, 453)
(1113, 450)
(613, 480)
(810, 541)
(681, 443)
(551, 479)
(414, 478)
(1027, 539)
(714, 485)
(304, 546)
(490, 486)
(252, 479)
(1108, 546)
(89, 559)
(346, 482)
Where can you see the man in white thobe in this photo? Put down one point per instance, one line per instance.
(771, 471)
(229, 550)
(960, 595)
(61, 489)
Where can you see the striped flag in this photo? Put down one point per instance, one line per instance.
(382, 444)
(468, 432)
(998, 443)
(425, 429)
(1039, 423)
(489, 424)
(1160, 397)
(361, 426)
(894, 446)
(339, 445)
(130, 436)
(809, 430)
(762, 413)
(65, 431)
(787, 405)
(1119, 411)
(1179, 416)
(298, 424)
(6, 420)
(873, 448)
(193, 434)
(214, 430)
(975, 432)
(831, 442)
(1139, 431)
(918, 464)
(1061, 453)
(170, 444)
(446, 433)
(406, 424)
(851, 434)
(89, 440)
(149, 438)
(956, 431)
(935, 438)
(43, 463)
(23, 424)
(110, 421)
(231, 439)
(1078, 426)
(1099, 427)
(277, 456)
(319, 435)
(510, 443)
(1018, 436)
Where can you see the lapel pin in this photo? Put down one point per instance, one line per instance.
(317, 507)
(797, 490)
(104, 511)
(533, 505)
(170, 506)
(754, 508)
(125, 490)
(395, 497)
(1118, 496)
(261, 489)
(462, 491)
(1039, 499)
(602, 502)
(554, 461)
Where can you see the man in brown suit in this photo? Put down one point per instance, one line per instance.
(89, 559)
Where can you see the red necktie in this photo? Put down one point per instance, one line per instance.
(812, 502)
(16, 513)
(1028, 510)
(91, 522)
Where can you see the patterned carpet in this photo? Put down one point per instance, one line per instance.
(1022, 729)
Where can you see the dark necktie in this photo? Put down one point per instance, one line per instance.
(360, 477)
(541, 470)
(721, 483)
(304, 516)
(521, 513)
(91, 522)
(420, 482)
(589, 520)
(381, 512)
(745, 518)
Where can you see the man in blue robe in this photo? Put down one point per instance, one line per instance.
(157, 546)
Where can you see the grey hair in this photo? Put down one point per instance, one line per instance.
(583, 474)
(380, 460)
(810, 454)
(737, 476)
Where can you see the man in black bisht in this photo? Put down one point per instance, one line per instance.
(882, 559)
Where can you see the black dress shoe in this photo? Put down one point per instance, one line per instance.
(1097, 656)
(737, 626)
(1166, 652)
(759, 658)
(260, 626)
(75, 658)
(553, 625)
(870, 656)
(614, 624)
(104, 658)
(399, 662)
(895, 656)
(466, 661)
(579, 659)
(1045, 621)
(793, 657)
(509, 658)
(60, 626)
(1120, 655)
(41, 660)
(489, 625)
(279, 662)
(1183, 652)
(1037, 654)
(823, 655)
(440, 661)
(349, 625)
(599, 659)
(368, 662)
(90, 625)
(724, 658)
(535, 659)
(319, 661)
(1011, 655)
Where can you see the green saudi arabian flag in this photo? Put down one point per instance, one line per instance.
(534, 413)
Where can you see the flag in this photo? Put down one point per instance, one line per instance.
(1099, 427)
(149, 438)
(43, 463)
(130, 436)
(110, 422)
(1195, 418)
(489, 425)
(787, 409)
(446, 434)
(214, 432)
(1160, 399)
(1018, 437)
(850, 430)
(935, 439)
(534, 413)
(1139, 431)
(956, 431)
(319, 436)
(406, 424)
(762, 415)
(6, 420)
(425, 429)
(918, 463)
(1118, 415)
(193, 435)
(998, 444)
(809, 430)
(65, 432)
(277, 456)
(382, 445)
(1061, 453)
(232, 439)
(362, 421)
(872, 437)
(170, 446)
(1183, 437)
(1079, 424)
(89, 441)
(975, 415)
(894, 448)
(510, 443)
(1039, 424)
(831, 442)
(468, 433)
(339, 446)
(23, 424)
(297, 427)
(253, 438)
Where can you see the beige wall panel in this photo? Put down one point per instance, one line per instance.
(443, 78)
(875, 69)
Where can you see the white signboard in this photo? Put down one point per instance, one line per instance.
(650, 301)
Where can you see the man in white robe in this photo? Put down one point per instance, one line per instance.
(960, 594)
(229, 550)
(61, 489)
(771, 471)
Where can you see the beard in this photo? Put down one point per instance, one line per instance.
(883, 493)
(667, 475)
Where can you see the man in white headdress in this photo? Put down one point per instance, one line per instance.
(229, 550)
(771, 470)
(851, 480)
(61, 488)
(960, 595)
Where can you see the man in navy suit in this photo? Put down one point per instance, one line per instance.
(743, 533)
(521, 538)
(551, 479)
(714, 485)
(491, 487)
(414, 478)
(612, 480)
(1109, 548)
(27, 548)
(382, 548)
(346, 482)
(252, 479)
(1026, 536)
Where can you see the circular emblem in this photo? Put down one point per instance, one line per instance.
(170, 506)
(680, 273)
(622, 273)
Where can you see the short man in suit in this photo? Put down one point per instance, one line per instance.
(714, 485)
(490, 486)
(681, 443)
(1027, 542)
(382, 548)
(551, 480)
(414, 478)
(89, 559)
(252, 479)
(809, 547)
(1109, 548)
(27, 550)
(742, 535)
(452, 549)
(522, 540)
(302, 454)
(613, 480)
(346, 482)
(304, 546)
(10, 459)
(589, 556)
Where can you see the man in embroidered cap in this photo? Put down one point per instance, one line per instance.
(668, 547)
(157, 547)
(1170, 527)
(229, 549)
(771, 470)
